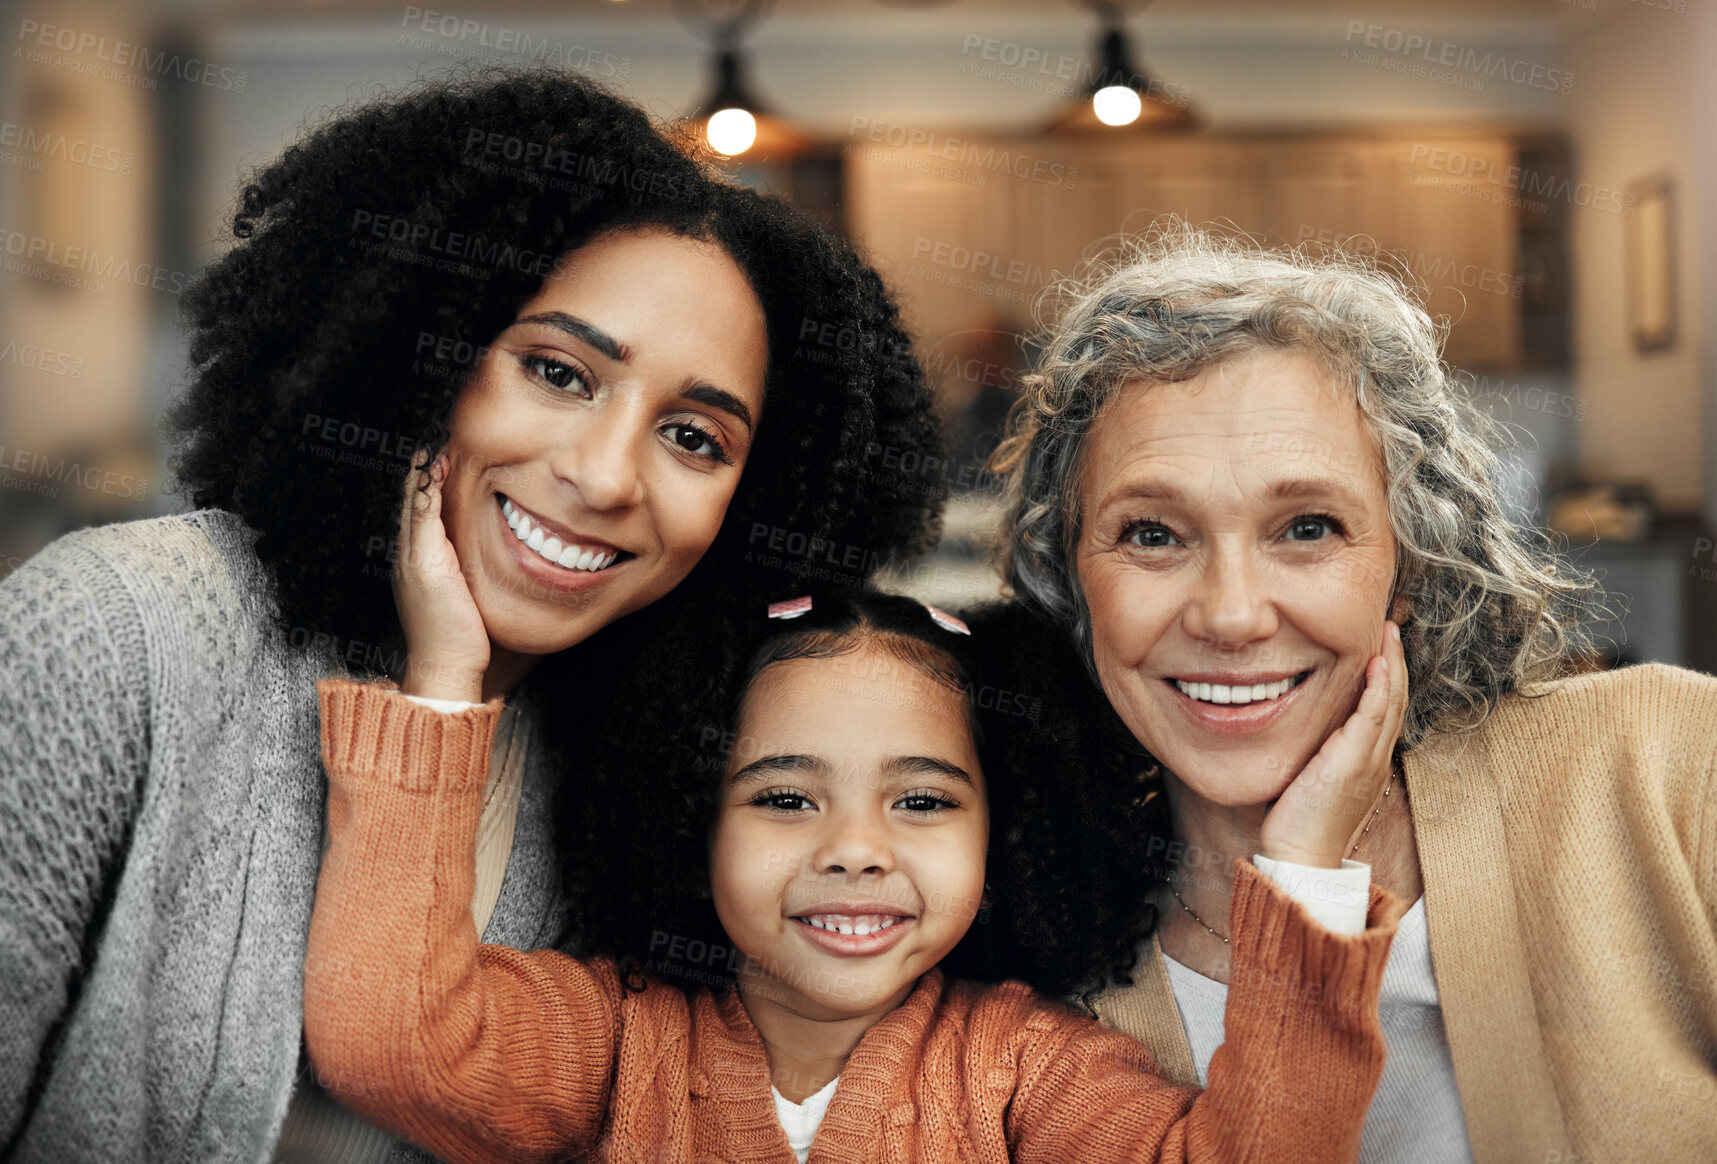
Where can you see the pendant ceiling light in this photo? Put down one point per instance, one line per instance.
(1120, 96)
(731, 121)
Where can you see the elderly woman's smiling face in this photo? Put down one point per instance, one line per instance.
(1237, 559)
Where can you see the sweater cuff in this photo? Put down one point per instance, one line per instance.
(447, 705)
(1337, 899)
(378, 735)
(1276, 940)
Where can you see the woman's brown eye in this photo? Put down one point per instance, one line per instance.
(699, 443)
(555, 373)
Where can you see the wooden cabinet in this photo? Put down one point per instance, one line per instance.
(971, 230)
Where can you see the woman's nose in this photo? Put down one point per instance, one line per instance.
(1231, 604)
(599, 456)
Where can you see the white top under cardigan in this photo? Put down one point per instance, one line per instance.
(801, 1120)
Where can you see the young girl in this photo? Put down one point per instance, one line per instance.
(846, 859)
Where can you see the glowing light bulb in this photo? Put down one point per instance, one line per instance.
(731, 131)
(1117, 105)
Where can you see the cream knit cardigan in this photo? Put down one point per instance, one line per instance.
(1569, 851)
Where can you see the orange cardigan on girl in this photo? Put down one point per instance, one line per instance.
(486, 1053)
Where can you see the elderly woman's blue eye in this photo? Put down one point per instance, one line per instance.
(1150, 535)
(1310, 529)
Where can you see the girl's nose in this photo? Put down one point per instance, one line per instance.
(853, 846)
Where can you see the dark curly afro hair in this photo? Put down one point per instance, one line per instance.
(417, 226)
(1062, 775)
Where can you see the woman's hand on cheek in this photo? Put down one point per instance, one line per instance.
(1338, 788)
(447, 647)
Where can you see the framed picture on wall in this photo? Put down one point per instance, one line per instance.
(1651, 264)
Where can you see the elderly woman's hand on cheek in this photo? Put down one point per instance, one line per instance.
(1336, 792)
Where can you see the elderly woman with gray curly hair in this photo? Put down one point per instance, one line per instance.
(1233, 473)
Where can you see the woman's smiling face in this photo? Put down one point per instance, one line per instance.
(608, 425)
(1237, 559)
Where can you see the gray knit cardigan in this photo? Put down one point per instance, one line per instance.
(161, 813)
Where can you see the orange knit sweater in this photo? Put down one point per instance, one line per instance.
(486, 1053)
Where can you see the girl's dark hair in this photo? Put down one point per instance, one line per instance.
(645, 826)
(377, 257)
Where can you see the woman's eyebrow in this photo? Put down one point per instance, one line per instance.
(581, 329)
(723, 399)
(1282, 489)
(1303, 488)
(1145, 489)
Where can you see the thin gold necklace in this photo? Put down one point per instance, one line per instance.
(1195, 916)
(1381, 805)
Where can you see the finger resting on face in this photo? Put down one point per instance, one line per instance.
(1399, 689)
(406, 506)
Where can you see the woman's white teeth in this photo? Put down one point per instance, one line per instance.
(1225, 693)
(838, 924)
(552, 549)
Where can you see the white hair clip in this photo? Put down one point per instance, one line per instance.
(947, 621)
(792, 608)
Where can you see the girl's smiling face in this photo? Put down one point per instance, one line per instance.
(608, 425)
(847, 856)
(1237, 559)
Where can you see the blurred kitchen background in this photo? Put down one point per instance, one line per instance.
(1543, 169)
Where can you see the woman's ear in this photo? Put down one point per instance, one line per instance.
(1400, 610)
(1400, 605)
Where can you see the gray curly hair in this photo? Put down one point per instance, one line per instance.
(1494, 609)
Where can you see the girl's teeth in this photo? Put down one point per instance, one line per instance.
(845, 925)
(569, 556)
(1241, 693)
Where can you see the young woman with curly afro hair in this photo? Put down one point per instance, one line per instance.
(629, 378)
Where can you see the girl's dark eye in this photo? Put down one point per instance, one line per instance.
(699, 443)
(782, 801)
(924, 802)
(557, 374)
(1311, 528)
(1150, 535)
